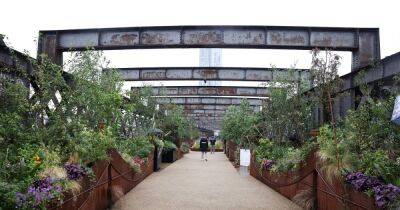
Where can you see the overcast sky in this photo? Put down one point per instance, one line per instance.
(21, 21)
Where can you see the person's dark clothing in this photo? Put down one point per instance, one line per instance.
(203, 144)
(212, 141)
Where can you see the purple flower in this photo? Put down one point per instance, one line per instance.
(20, 199)
(268, 164)
(75, 171)
(384, 194)
(40, 192)
(362, 182)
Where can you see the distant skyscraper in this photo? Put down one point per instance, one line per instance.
(210, 57)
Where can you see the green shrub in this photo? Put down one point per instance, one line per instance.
(168, 146)
(185, 147)
(94, 145)
(138, 146)
(285, 157)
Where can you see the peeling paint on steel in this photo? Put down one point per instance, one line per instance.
(119, 38)
(193, 37)
(188, 91)
(155, 37)
(332, 39)
(287, 38)
(261, 75)
(207, 91)
(253, 37)
(205, 74)
(246, 91)
(179, 74)
(152, 74)
(236, 74)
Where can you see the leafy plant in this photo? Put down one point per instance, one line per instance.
(94, 145)
(169, 146)
(185, 147)
(240, 125)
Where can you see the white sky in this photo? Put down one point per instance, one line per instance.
(21, 21)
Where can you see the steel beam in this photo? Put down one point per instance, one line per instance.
(363, 42)
(211, 107)
(208, 100)
(208, 90)
(213, 73)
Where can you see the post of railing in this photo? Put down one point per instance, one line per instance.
(315, 190)
(109, 175)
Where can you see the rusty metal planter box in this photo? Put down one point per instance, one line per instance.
(113, 179)
(330, 196)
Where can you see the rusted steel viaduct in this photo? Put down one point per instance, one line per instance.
(207, 104)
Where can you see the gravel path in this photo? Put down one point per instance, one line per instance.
(190, 183)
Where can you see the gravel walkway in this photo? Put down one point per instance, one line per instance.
(191, 183)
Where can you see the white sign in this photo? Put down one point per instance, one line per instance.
(244, 157)
(396, 111)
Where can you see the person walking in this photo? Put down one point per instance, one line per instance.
(203, 147)
(212, 142)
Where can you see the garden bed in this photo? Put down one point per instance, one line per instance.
(170, 156)
(113, 179)
(335, 195)
(231, 151)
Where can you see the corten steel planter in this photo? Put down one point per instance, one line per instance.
(113, 179)
(330, 196)
(157, 159)
(231, 151)
(170, 156)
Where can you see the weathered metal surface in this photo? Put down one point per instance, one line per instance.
(363, 42)
(288, 38)
(332, 39)
(207, 101)
(213, 73)
(203, 37)
(250, 37)
(209, 90)
(71, 40)
(119, 38)
(160, 37)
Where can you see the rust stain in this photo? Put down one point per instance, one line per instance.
(153, 75)
(208, 73)
(188, 91)
(207, 91)
(325, 41)
(226, 91)
(280, 38)
(124, 39)
(156, 38)
(211, 37)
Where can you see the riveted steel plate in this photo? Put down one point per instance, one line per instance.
(195, 37)
(78, 40)
(253, 37)
(160, 37)
(287, 38)
(128, 38)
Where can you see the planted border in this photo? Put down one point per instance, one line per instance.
(113, 179)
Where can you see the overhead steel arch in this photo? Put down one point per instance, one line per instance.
(363, 42)
(213, 73)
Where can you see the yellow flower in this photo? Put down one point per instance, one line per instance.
(37, 159)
